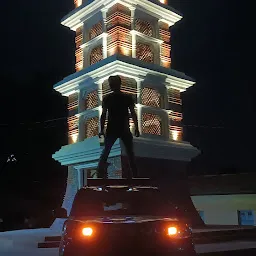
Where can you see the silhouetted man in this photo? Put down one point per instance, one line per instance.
(117, 104)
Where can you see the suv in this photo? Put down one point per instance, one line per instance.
(120, 220)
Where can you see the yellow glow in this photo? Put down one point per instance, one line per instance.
(74, 138)
(175, 135)
(87, 231)
(162, 1)
(78, 3)
(166, 64)
(112, 51)
(172, 231)
(125, 51)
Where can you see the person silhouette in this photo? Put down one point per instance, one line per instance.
(117, 105)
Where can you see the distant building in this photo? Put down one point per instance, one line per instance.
(225, 199)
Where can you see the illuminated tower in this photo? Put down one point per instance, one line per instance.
(130, 38)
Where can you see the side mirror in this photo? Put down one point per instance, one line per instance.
(60, 213)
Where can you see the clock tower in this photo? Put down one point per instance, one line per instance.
(132, 39)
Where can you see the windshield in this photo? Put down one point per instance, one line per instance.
(121, 202)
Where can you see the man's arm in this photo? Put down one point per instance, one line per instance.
(103, 117)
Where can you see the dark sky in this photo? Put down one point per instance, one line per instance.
(213, 44)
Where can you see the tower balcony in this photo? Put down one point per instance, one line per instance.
(156, 92)
(86, 8)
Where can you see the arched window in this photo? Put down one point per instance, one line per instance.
(91, 100)
(96, 55)
(151, 97)
(96, 30)
(144, 52)
(144, 27)
(91, 127)
(151, 124)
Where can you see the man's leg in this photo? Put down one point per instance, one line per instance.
(127, 139)
(102, 165)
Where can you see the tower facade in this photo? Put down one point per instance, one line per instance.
(130, 38)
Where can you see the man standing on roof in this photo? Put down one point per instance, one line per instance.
(117, 104)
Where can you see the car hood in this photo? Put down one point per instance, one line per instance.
(122, 219)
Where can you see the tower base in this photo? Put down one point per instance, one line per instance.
(163, 162)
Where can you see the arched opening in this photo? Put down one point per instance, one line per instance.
(96, 55)
(150, 97)
(91, 100)
(144, 52)
(96, 30)
(144, 27)
(91, 127)
(151, 124)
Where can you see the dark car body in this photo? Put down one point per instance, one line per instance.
(124, 220)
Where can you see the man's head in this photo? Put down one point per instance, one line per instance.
(115, 83)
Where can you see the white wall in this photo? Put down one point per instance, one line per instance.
(222, 209)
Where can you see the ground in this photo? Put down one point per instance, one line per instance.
(24, 243)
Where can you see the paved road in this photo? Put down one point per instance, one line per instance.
(24, 243)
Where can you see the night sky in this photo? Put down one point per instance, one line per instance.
(213, 44)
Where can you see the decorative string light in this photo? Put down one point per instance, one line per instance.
(119, 40)
(73, 101)
(176, 133)
(165, 35)
(79, 52)
(174, 96)
(73, 128)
